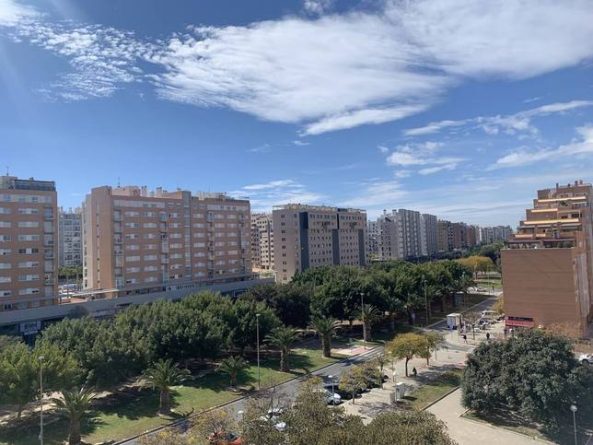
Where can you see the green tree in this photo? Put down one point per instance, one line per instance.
(353, 381)
(434, 341)
(74, 403)
(368, 314)
(407, 428)
(325, 328)
(282, 338)
(407, 346)
(162, 375)
(232, 366)
(534, 374)
(19, 381)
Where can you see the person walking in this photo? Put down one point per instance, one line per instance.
(487, 336)
(414, 371)
(464, 338)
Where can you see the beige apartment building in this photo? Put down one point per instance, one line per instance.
(313, 236)
(28, 243)
(136, 241)
(262, 241)
(547, 264)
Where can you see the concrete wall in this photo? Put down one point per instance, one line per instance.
(543, 284)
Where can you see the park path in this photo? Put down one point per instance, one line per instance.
(471, 432)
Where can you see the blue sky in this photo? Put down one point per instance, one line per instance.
(461, 108)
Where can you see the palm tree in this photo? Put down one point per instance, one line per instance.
(233, 366)
(162, 375)
(325, 327)
(368, 314)
(282, 338)
(75, 404)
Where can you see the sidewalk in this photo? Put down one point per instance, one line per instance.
(469, 432)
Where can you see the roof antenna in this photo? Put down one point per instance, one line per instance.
(118, 186)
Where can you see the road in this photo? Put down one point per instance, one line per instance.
(287, 391)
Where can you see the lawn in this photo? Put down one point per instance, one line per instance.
(433, 390)
(134, 411)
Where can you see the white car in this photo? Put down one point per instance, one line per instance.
(331, 398)
(586, 359)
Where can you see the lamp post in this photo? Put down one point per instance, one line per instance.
(364, 342)
(573, 408)
(426, 302)
(41, 399)
(258, 370)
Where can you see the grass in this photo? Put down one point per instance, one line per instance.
(434, 390)
(133, 411)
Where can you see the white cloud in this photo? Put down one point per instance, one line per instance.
(331, 72)
(317, 6)
(522, 157)
(422, 154)
(264, 196)
(509, 124)
(383, 149)
(13, 12)
(376, 193)
(300, 143)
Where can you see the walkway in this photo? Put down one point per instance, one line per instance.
(470, 432)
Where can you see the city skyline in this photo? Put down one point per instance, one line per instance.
(274, 102)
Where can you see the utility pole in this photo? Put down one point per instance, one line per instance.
(258, 369)
(41, 400)
(362, 316)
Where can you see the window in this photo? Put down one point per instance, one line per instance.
(29, 291)
(131, 259)
(4, 211)
(150, 257)
(5, 225)
(28, 224)
(28, 251)
(150, 225)
(5, 279)
(4, 238)
(29, 277)
(29, 237)
(5, 293)
(28, 264)
(132, 225)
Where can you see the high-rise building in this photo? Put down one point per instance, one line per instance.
(444, 236)
(137, 241)
(262, 241)
(313, 236)
(428, 234)
(490, 235)
(389, 237)
(70, 238)
(547, 265)
(373, 239)
(28, 243)
(409, 221)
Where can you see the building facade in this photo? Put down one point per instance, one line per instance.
(410, 232)
(313, 236)
(428, 234)
(28, 243)
(373, 240)
(389, 237)
(262, 241)
(70, 238)
(491, 235)
(135, 241)
(547, 264)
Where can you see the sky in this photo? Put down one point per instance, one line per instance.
(459, 108)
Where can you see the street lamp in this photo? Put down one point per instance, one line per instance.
(258, 370)
(364, 342)
(41, 399)
(573, 408)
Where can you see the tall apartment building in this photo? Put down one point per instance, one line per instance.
(547, 264)
(373, 239)
(70, 238)
(444, 236)
(389, 237)
(428, 234)
(138, 242)
(262, 241)
(28, 243)
(409, 221)
(313, 236)
(490, 235)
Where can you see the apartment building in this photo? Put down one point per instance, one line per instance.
(262, 241)
(373, 239)
(28, 243)
(444, 236)
(547, 264)
(70, 238)
(489, 235)
(428, 234)
(136, 241)
(389, 237)
(409, 221)
(313, 236)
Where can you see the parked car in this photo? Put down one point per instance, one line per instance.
(345, 395)
(489, 315)
(586, 359)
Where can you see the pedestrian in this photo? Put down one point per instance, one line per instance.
(464, 338)
(414, 371)
(505, 332)
(488, 336)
